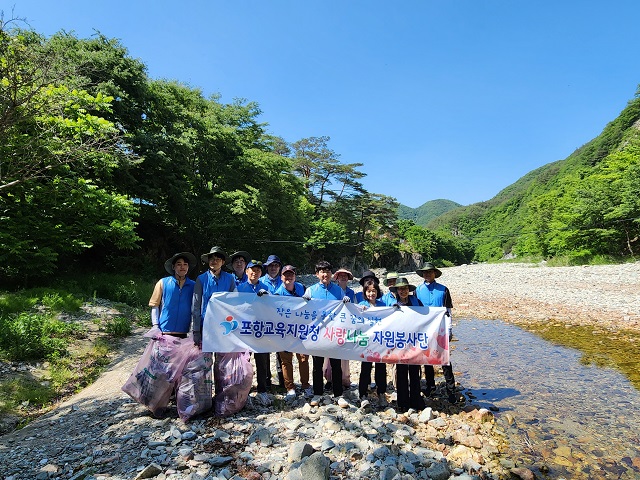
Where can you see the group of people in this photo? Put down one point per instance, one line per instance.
(178, 306)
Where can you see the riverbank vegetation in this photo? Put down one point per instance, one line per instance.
(56, 341)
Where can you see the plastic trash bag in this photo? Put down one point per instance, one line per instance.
(233, 375)
(154, 377)
(194, 392)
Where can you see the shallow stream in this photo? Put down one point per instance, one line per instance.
(569, 413)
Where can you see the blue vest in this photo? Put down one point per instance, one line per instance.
(175, 309)
(332, 292)
(211, 285)
(379, 303)
(272, 285)
(389, 299)
(431, 294)
(298, 288)
(248, 287)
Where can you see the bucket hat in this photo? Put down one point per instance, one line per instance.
(240, 253)
(390, 276)
(342, 270)
(190, 257)
(272, 259)
(428, 266)
(368, 274)
(205, 256)
(402, 282)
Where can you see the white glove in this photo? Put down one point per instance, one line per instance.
(262, 291)
(346, 299)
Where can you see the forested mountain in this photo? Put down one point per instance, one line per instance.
(426, 212)
(584, 206)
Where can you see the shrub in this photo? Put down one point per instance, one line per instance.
(118, 327)
(34, 336)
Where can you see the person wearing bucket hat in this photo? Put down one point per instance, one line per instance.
(372, 294)
(238, 266)
(212, 281)
(389, 281)
(341, 277)
(407, 376)
(272, 277)
(366, 275)
(172, 296)
(434, 294)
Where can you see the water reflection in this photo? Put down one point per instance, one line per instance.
(574, 418)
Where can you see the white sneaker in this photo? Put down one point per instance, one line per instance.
(364, 401)
(262, 398)
(308, 392)
(342, 403)
(291, 394)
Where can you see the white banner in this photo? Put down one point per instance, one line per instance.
(238, 322)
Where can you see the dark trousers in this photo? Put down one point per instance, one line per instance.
(365, 378)
(447, 371)
(262, 370)
(408, 387)
(318, 377)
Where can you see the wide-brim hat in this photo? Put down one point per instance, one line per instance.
(272, 259)
(368, 274)
(240, 253)
(190, 257)
(342, 270)
(205, 256)
(402, 282)
(428, 266)
(390, 276)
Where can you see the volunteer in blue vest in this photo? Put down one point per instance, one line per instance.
(407, 376)
(272, 280)
(291, 288)
(254, 285)
(325, 289)
(367, 274)
(372, 294)
(238, 266)
(212, 281)
(389, 281)
(434, 294)
(172, 296)
(342, 276)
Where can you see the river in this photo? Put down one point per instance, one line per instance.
(565, 414)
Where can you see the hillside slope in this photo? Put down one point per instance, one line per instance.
(580, 207)
(426, 212)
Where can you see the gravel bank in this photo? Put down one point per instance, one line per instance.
(608, 295)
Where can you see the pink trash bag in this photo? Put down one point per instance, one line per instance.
(233, 376)
(155, 375)
(194, 393)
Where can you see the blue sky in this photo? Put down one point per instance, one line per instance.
(452, 99)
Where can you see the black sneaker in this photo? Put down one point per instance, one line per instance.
(452, 397)
(328, 387)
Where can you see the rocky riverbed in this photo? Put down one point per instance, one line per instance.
(101, 434)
